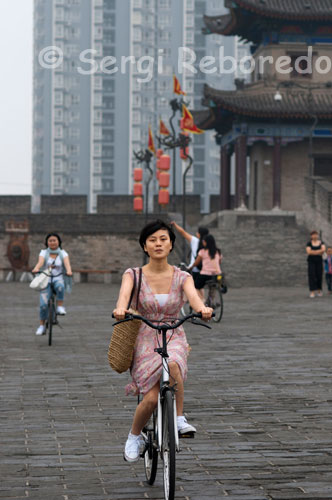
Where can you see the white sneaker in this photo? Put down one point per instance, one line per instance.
(41, 330)
(61, 310)
(184, 427)
(133, 447)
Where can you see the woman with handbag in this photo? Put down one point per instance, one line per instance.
(210, 257)
(160, 297)
(58, 260)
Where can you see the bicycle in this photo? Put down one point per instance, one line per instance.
(213, 291)
(161, 434)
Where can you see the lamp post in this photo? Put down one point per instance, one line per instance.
(145, 157)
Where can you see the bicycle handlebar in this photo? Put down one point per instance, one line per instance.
(53, 275)
(165, 326)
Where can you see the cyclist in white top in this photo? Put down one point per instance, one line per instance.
(195, 244)
(52, 256)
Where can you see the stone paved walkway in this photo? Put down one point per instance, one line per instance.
(259, 392)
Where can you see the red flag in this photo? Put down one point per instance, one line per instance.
(151, 146)
(187, 122)
(177, 87)
(163, 130)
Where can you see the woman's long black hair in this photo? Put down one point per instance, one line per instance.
(202, 231)
(211, 245)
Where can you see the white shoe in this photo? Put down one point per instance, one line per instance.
(61, 310)
(41, 330)
(133, 447)
(184, 427)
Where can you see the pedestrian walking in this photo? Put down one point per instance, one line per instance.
(210, 257)
(315, 249)
(54, 257)
(196, 244)
(328, 269)
(160, 297)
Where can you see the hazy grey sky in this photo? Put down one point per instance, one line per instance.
(16, 23)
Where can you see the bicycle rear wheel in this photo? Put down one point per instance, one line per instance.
(151, 453)
(51, 311)
(168, 446)
(186, 309)
(218, 305)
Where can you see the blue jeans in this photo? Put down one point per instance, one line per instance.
(46, 294)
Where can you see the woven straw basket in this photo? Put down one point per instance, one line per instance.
(121, 348)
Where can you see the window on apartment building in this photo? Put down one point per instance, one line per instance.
(108, 102)
(108, 152)
(59, 31)
(136, 117)
(136, 134)
(75, 99)
(108, 185)
(199, 154)
(190, 5)
(96, 183)
(189, 36)
(137, 34)
(109, 4)
(137, 100)
(58, 114)
(58, 148)
(96, 149)
(164, 20)
(58, 165)
(164, 4)
(108, 119)
(58, 132)
(97, 166)
(58, 97)
(190, 20)
(108, 135)
(59, 14)
(73, 166)
(58, 181)
(199, 139)
(137, 18)
(97, 116)
(198, 170)
(108, 85)
(74, 149)
(74, 132)
(108, 168)
(97, 132)
(199, 187)
(137, 4)
(165, 36)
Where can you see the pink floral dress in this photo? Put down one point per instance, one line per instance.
(146, 368)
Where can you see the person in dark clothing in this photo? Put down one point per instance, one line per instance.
(315, 249)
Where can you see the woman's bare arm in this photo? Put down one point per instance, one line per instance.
(66, 263)
(39, 265)
(194, 300)
(197, 262)
(183, 233)
(124, 296)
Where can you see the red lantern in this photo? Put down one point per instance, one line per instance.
(159, 153)
(163, 198)
(138, 189)
(164, 179)
(165, 162)
(138, 174)
(138, 204)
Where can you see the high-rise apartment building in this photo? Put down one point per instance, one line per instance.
(92, 109)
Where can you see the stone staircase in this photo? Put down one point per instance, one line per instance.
(260, 248)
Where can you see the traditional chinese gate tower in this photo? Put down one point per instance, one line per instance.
(282, 120)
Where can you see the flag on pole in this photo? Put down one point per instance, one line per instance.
(151, 146)
(177, 87)
(187, 122)
(163, 130)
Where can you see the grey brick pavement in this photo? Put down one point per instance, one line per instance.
(259, 391)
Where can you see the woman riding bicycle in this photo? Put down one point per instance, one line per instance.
(161, 297)
(56, 258)
(195, 242)
(210, 258)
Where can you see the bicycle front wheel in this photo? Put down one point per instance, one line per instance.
(218, 305)
(51, 311)
(168, 446)
(151, 453)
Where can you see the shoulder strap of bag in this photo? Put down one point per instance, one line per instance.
(139, 286)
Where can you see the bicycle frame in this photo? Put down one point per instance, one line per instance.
(165, 386)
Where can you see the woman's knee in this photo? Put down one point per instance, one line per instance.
(175, 369)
